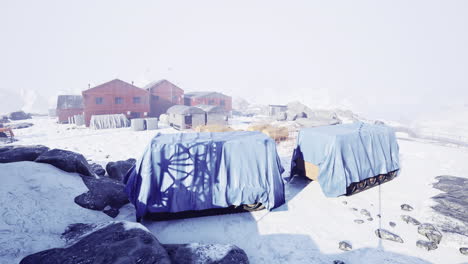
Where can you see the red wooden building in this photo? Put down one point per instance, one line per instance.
(68, 106)
(163, 94)
(116, 97)
(209, 98)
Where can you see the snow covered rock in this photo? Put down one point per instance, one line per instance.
(67, 161)
(206, 253)
(387, 235)
(19, 115)
(392, 224)
(104, 194)
(464, 250)
(345, 246)
(118, 242)
(430, 232)
(454, 201)
(98, 169)
(410, 220)
(21, 153)
(427, 245)
(117, 170)
(406, 207)
(75, 231)
(20, 125)
(365, 212)
(358, 221)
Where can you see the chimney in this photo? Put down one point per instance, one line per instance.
(89, 85)
(132, 82)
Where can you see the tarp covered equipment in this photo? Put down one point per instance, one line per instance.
(197, 171)
(347, 153)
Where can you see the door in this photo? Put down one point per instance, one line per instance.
(188, 121)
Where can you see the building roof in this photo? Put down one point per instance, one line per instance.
(156, 84)
(184, 110)
(69, 101)
(113, 82)
(211, 108)
(205, 94)
(277, 105)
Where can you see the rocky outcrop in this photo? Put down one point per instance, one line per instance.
(454, 201)
(98, 169)
(406, 207)
(117, 170)
(21, 153)
(19, 115)
(345, 246)
(427, 245)
(410, 220)
(206, 253)
(118, 242)
(67, 161)
(429, 231)
(387, 235)
(19, 125)
(104, 194)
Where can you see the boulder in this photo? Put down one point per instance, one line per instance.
(345, 246)
(338, 262)
(104, 194)
(365, 212)
(429, 231)
(117, 170)
(206, 253)
(410, 220)
(406, 207)
(117, 242)
(387, 235)
(67, 161)
(21, 153)
(19, 115)
(98, 169)
(358, 221)
(464, 250)
(427, 245)
(75, 231)
(392, 224)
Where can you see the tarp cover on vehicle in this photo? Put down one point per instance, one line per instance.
(347, 153)
(197, 171)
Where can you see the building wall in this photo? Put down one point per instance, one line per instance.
(108, 92)
(216, 119)
(64, 114)
(178, 121)
(213, 101)
(163, 96)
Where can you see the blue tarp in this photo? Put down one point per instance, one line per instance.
(347, 153)
(197, 171)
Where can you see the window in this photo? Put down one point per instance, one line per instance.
(99, 100)
(222, 103)
(118, 100)
(136, 100)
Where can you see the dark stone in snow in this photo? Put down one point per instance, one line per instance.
(410, 220)
(338, 262)
(387, 235)
(454, 201)
(21, 153)
(103, 192)
(464, 250)
(392, 224)
(406, 207)
(206, 253)
(345, 246)
(427, 245)
(19, 115)
(117, 170)
(354, 209)
(365, 212)
(75, 231)
(67, 161)
(114, 243)
(379, 216)
(98, 169)
(359, 221)
(370, 219)
(430, 232)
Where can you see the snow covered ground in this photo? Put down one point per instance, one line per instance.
(37, 205)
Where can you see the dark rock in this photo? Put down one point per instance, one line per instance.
(365, 213)
(464, 250)
(430, 232)
(4, 119)
(354, 209)
(359, 221)
(338, 262)
(19, 115)
(370, 219)
(98, 169)
(119, 242)
(392, 224)
(387, 235)
(345, 202)
(379, 216)
(427, 245)
(206, 253)
(410, 220)
(21, 153)
(20, 125)
(117, 170)
(454, 201)
(406, 207)
(75, 231)
(103, 192)
(67, 161)
(345, 246)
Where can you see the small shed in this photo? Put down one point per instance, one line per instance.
(214, 115)
(183, 117)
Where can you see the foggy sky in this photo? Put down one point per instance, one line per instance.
(389, 59)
